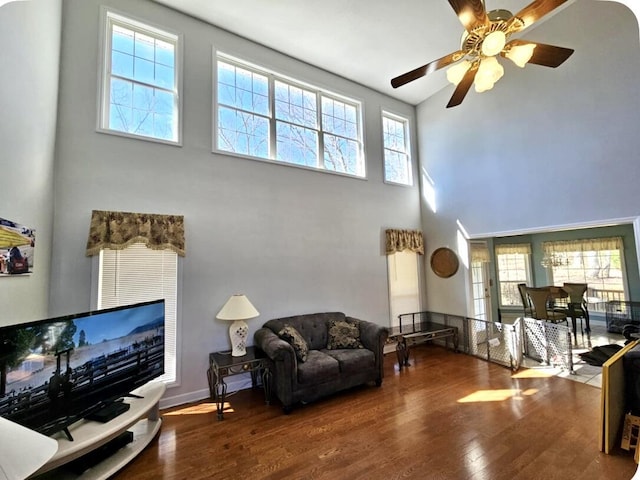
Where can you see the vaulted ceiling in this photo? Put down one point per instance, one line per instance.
(367, 41)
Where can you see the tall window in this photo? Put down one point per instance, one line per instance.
(598, 262)
(140, 80)
(138, 274)
(397, 160)
(264, 115)
(513, 262)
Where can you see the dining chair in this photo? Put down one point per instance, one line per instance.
(526, 303)
(540, 299)
(577, 304)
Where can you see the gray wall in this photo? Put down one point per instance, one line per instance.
(293, 240)
(29, 61)
(545, 149)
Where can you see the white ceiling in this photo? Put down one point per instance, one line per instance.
(366, 41)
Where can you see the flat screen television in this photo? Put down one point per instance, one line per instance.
(54, 372)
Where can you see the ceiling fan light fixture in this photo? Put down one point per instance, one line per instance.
(455, 73)
(489, 72)
(520, 54)
(493, 43)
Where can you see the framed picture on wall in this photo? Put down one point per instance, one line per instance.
(17, 244)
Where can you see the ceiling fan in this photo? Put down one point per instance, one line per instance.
(486, 37)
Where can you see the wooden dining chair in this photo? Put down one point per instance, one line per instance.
(526, 303)
(577, 303)
(540, 300)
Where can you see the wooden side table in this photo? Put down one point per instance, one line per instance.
(223, 365)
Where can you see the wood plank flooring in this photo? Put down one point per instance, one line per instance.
(447, 416)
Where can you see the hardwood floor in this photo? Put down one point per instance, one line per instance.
(448, 416)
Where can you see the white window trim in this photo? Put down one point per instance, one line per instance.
(407, 122)
(272, 76)
(104, 47)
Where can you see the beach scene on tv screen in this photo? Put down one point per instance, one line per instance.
(87, 352)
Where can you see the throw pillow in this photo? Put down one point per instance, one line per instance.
(344, 334)
(299, 344)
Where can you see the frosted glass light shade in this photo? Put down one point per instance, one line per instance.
(520, 54)
(493, 43)
(489, 72)
(237, 309)
(455, 73)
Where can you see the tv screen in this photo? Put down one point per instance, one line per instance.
(54, 372)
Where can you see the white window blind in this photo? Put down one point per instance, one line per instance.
(139, 274)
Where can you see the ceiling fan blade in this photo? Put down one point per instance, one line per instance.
(543, 54)
(533, 12)
(464, 86)
(425, 69)
(471, 13)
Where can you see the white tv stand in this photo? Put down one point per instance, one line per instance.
(142, 418)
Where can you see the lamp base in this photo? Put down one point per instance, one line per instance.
(238, 334)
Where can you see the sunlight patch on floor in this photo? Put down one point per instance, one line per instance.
(200, 409)
(498, 395)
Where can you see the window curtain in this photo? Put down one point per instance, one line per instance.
(584, 245)
(479, 253)
(118, 230)
(399, 240)
(512, 248)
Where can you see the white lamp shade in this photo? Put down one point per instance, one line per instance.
(238, 307)
(22, 450)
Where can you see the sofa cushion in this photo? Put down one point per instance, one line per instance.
(344, 334)
(318, 368)
(293, 337)
(352, 360)
(312, 326)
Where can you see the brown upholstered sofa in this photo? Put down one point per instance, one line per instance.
(341, 352)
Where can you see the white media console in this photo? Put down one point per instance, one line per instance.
(142, 418)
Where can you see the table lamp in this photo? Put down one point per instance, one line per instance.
(237, 309)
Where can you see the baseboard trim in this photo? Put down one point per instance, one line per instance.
(234, 384)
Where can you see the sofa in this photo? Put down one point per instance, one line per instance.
(313, 355)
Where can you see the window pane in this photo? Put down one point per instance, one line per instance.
(396, 167)
(122, 64)
(242, 89)
(397, 163)
(297, 144)
(341, 154)
(240, 132)
(255, 106)
(122, 40)
(141, 93)
(339, 118)
(144, 47)
(601, 270)
(295, 105)
(513, 268)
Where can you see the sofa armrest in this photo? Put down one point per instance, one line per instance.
(372, 335)
(273, 346)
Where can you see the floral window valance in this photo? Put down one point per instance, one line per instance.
(480, 252)
(583, 245)
(399, 240)
(513, 248)
(118, 230)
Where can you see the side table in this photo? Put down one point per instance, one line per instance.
(223, 365)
